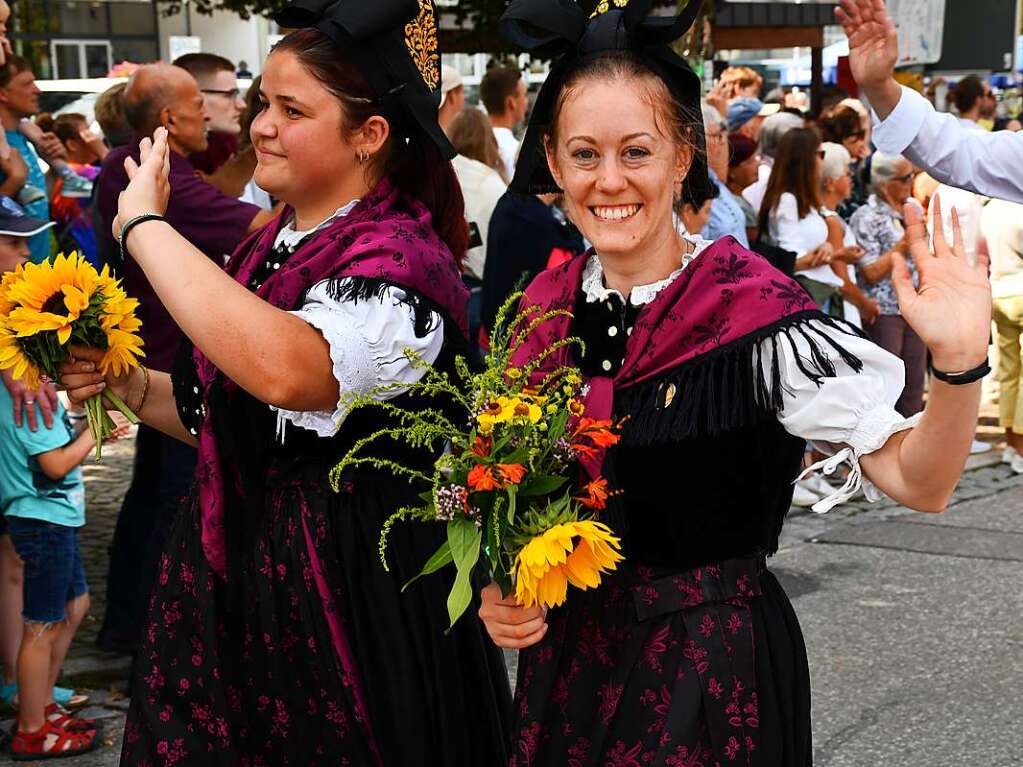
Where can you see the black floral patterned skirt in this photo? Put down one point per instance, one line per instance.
(265, 684)
(702, 669)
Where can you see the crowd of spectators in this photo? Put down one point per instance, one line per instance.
(806, 191)
(819, 202)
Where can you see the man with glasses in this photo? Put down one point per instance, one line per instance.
(224, 104)
(726, 215)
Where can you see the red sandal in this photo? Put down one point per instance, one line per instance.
(31, 746)
(61, 717)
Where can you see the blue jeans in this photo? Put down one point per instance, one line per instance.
(54, 574)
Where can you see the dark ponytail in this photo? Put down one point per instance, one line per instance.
(412, 159)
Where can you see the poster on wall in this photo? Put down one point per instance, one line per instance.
(921, 25)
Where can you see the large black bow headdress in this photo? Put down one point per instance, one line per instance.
(560, 29)
(392, 42)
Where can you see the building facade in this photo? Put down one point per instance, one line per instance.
(66, 39)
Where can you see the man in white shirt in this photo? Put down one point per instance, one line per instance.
(452, 95)
(906, 123)
(504, 93)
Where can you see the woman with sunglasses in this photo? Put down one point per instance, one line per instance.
(879, 229)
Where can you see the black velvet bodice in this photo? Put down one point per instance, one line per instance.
(686, 499)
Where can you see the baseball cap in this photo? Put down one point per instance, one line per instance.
(741, 111)
(14, 221)
(450, 78)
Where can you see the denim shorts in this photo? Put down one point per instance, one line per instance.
(54, 574)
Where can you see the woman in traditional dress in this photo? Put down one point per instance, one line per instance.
(690, 653)
(275, 636)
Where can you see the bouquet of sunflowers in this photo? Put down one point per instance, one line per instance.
(505, 486)
(46, 307)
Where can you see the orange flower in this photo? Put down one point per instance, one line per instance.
(596, 494)
(512, 473)
(598, 432)
(482, 446)
(482, 478)
(584, 451)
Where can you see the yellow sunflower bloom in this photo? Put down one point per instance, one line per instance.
(13, 358)
(50, 296)
(123, 351)
(574, 553)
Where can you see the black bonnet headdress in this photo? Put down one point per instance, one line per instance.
(560, 30)
(392, 42)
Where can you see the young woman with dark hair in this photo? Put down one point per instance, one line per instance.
(275, 636)
(718, 368)
(790, 214)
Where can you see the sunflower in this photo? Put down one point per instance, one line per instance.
(50, 296)
(570, 552)
(13, 357)
(123, 351)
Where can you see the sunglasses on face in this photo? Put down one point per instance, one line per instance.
(904, 179)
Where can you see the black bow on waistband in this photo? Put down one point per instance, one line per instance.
(394, 44)
(561, 30)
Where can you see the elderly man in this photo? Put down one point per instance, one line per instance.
(746, 116)
(160, 95)
(224, 104)
(986, 163)
(878, 229)
(726, 215)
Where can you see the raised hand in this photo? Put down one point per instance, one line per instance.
(149, 188)
(951, 308)
(873, 51)
(873, 43)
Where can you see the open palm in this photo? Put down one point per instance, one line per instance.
(950, 309)
(873, 42)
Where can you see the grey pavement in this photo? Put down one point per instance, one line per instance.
(913, 624)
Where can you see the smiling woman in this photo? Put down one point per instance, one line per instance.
(275, 636)
(719, 368)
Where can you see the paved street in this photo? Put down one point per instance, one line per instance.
(913, 622)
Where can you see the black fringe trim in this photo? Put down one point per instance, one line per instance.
(357, 289)
(728, 388)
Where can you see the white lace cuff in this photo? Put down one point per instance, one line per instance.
(871, 433)
(367, 340)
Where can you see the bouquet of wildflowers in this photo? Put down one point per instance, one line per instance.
(506, 485)
(44, 308)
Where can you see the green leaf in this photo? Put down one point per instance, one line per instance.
(441, 557)
(464, 541)
(542, 485)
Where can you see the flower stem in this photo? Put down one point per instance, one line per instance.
(119, 403)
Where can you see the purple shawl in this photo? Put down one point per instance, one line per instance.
(387, 236)
(726, 294)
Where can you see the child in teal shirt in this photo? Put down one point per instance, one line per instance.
(42, 502)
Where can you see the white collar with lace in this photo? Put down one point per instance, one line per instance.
(289, 237)
(596, 291)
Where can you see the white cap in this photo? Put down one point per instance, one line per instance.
(450, 78)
